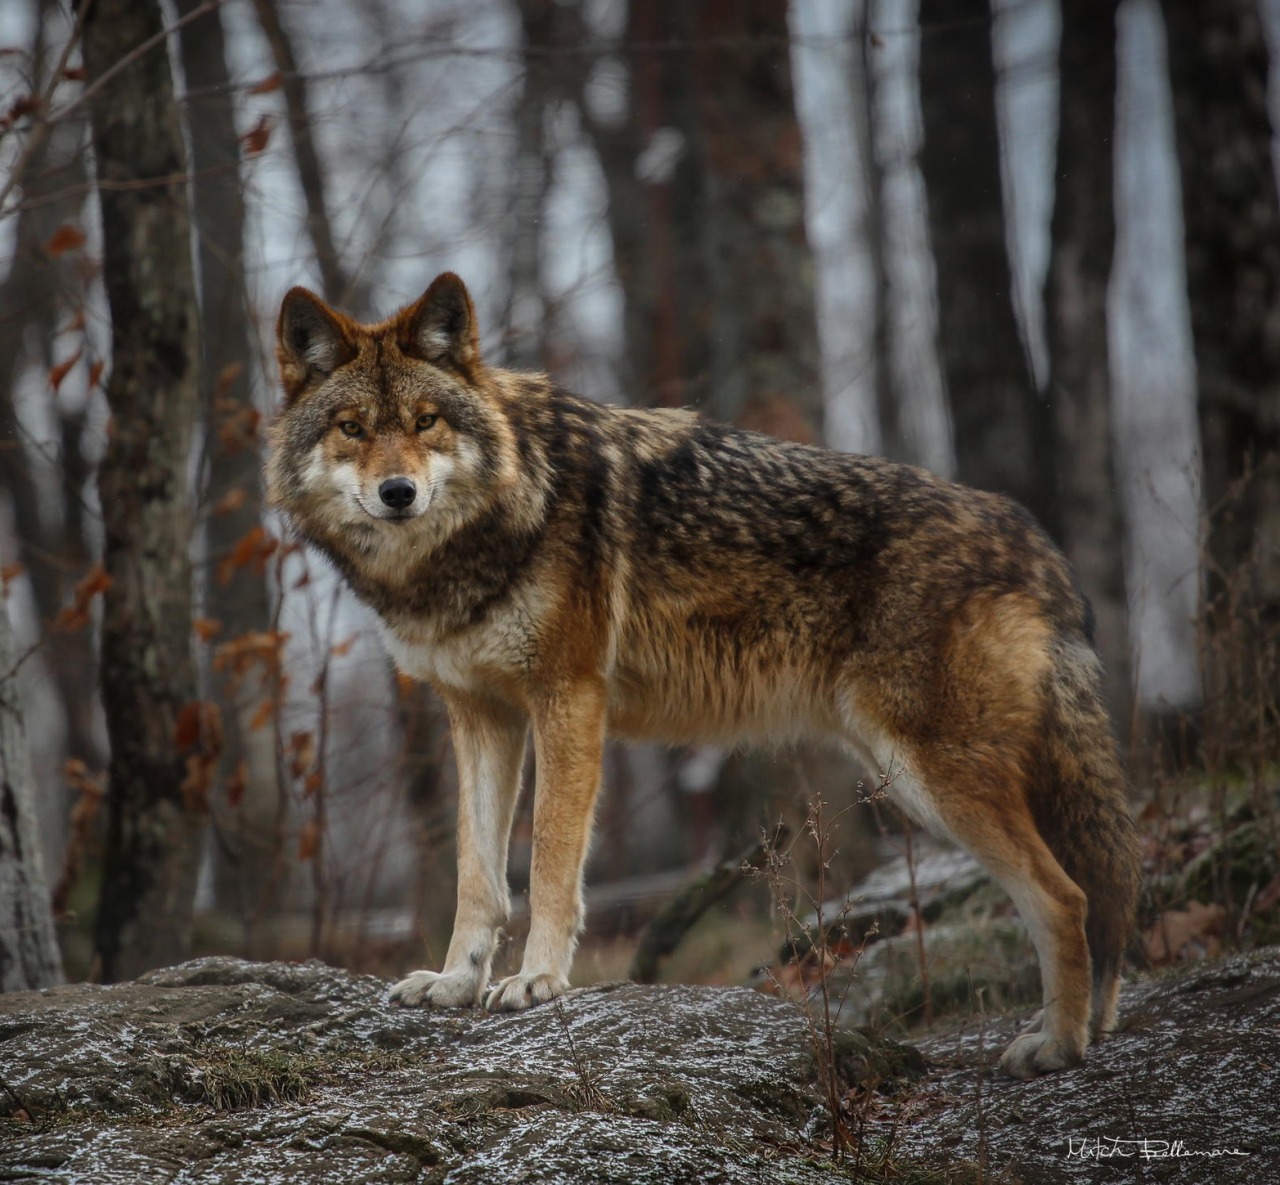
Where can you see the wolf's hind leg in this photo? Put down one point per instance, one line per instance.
(1003, 838)
(489, 741)
(569, 741)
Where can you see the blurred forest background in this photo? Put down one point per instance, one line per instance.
(1030, 244)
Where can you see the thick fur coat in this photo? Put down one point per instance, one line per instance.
(555, 566)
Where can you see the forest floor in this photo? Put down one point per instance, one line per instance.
(227, 1071)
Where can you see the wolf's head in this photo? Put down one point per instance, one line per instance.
(388, 430)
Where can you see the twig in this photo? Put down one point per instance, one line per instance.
(40, 132)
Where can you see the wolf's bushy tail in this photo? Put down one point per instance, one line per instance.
(1079, 800)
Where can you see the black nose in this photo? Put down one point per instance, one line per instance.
(397, 492)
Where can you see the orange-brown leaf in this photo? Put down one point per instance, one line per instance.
(68, 237)
(198, 782)
(61, 370)
(343, 648)
(255, 140)
(253, 548)
(76, 615)
(75, 73)
(81, 780)
(226, 376)
(308, 840)
(302, 751)
(272, 82)
(262, 716)
(9, 573)
(237, 783)
(199, 724)
(95, 373)
(206, 628)
(24, 105)
(186, 731)
(231, 500)
(256, 647)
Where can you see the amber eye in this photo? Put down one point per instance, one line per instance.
(350, 428)
(426, 420)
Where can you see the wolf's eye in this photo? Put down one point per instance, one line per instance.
(350, 428)
(426, 420)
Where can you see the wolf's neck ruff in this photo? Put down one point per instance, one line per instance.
(563, 568)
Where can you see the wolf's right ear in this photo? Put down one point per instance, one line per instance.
(441, 327)
(310, 341)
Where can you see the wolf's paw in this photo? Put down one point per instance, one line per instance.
(433, 989)
(523, 991)
(1036, 1052)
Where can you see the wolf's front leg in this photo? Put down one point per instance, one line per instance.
(488, 740)
(569, 741)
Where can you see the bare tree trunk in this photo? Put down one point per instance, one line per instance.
(1003, 435)
(541, 23)
(762, 325)
(239, 600)
(1231, 214)
(656, 210)
(153, 829)
(889, 400)
(1231, 218)
(29, 955)
(1083, 242)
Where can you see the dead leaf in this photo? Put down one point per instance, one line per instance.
(68, 237)
(251, 550)
(302, 750)
(237, 783)
(199, 724)
(255, 140)
(61, 370)
(262, 716)
(206, 628)
(231, 500)
(272, 82)
(308, 840)
(76, 615)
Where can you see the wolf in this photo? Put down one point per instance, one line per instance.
(555, 566)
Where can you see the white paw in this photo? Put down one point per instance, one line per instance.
(1037, 1053)
(523, 991)
(433, 989)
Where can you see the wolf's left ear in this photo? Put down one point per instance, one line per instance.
(441, 327)
(311, 341)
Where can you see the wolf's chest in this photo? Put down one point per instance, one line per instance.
(468, 659)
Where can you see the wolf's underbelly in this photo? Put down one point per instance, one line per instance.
(717, 692)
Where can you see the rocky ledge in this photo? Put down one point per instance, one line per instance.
(226, 1071)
